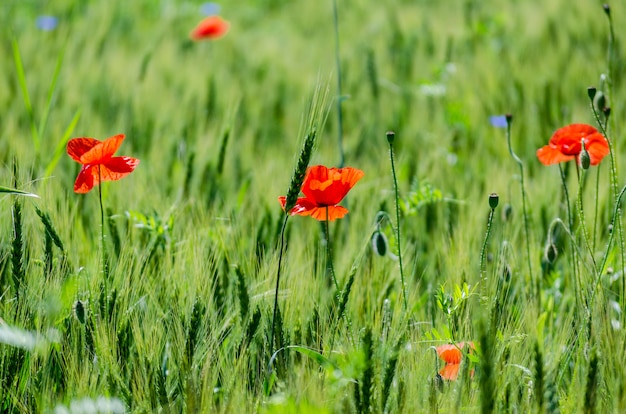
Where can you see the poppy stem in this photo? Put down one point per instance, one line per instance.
(483, 278)
(595, 214)
(582, 219)
(390, 139)
(509, 119)
(617, 220)
(329, 257)
(105, 265)
(570, 223)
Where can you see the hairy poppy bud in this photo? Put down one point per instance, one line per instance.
(80, 311)
(591, 92)
(507, 212)
(493, 200)
(509, 118)
(606, 111)
(550, 253)
(600, 100)
(379, 243)
(585, 159)
(391, 136)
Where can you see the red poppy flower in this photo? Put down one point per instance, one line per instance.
(98, 161)
(565, 145)
(323, 189)
(452, 355)
(211, 27)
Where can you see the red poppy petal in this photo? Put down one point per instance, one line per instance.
(103, 152)
(450, 372)
(572, 133)
(319, 213)
(549, 155)
(117, 167)
(282, 200)
(77, 147)
(86, 179)
(328, 186)
(350, 176)
(450, 353)
(211, 27)
(597, 147)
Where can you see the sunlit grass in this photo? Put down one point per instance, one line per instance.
(192, 234)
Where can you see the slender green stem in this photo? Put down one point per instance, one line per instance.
(397, 198)
(483, 277)
(570, 222)
(605, 258)
(596, 208)
(329, 256)
(105, 259)
(339, 92)
(613, 176)
(525, 216)
(581, 217)
(280, 261)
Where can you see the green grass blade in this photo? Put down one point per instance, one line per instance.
(21, 78)
(60, 148)
(44, 120)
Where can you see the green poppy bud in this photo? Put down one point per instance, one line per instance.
(79, 310)
(493, 200)
(591, 92)
(379, 243)
(585, 159)
(391, 136)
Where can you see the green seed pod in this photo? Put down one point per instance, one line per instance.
(391, 136)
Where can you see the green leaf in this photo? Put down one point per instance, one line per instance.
(8, 190)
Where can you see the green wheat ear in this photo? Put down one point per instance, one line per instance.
(17, 243)
(242, 294)
(315, 118)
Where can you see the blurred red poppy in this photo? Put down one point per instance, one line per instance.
(211, 27)
(452, 355)
(565, 145)
(323, 189)
(98, 161)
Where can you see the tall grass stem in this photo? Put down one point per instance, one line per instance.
(339, 89)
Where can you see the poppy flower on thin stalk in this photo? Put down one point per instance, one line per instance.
(98, 161)
(452, 354)
(323, 189)
(565, 144)
(212, 27)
